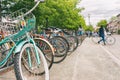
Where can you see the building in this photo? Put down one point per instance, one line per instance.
(114, 25)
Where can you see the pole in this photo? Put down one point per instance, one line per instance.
(89, 19)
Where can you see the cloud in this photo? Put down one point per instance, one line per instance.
(100, 9)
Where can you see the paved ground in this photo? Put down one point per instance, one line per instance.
(89, 62)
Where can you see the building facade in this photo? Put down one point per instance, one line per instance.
(114, 25)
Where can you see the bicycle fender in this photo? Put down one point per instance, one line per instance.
(19, 46)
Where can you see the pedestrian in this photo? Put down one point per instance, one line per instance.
(80, 30)
(102, 34)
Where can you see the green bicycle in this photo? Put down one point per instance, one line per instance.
(20, 49)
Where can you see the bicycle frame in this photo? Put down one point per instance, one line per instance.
(19, 43)
(17, 48)
(23, 43)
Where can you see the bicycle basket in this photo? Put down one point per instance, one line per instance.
(18, 23)
(26, 22)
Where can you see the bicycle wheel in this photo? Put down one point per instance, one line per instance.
(3, 53)
(73, 43)
(110, 40)
(26, 66)
(79, 39)
(47, 50)
(60, 48)
(95, 39)
(4, 50)
(65, 42)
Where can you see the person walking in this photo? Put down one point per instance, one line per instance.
(80, 30)
(102, 34)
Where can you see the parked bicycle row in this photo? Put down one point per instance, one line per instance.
(19, 49)
(31, 54)
(54, 43)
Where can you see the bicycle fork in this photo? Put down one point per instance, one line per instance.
(34, 50)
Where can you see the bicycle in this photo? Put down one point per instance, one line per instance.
(59, 44)
(72, 40)
(28, 59)
(109, 39)
(46, 48)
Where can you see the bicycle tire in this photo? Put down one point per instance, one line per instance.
(23, 72)
(65, 41)
(47, 50)
(3, 53)
(73, 43)
(79, 40)
(4, 50)
(59, 43)
(95, 39)
(110, 40)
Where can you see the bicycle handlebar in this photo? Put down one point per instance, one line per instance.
(26, 13)
(38, 1)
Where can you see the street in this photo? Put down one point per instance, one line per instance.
(89, 62)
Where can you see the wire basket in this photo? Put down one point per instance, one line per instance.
(17, 23)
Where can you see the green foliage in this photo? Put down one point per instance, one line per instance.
(89, 28)
(58, 13)
(22, 4)
(4, 3)
(103, 23)
(113, 18)
(61, 13)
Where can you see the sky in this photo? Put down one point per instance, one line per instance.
(99, 10)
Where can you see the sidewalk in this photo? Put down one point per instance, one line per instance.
(89, 62)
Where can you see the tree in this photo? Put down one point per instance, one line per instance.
(58, 13)
(61, 13)
(102, 22)
(5, 6)
(113, 18)
(89, 28)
